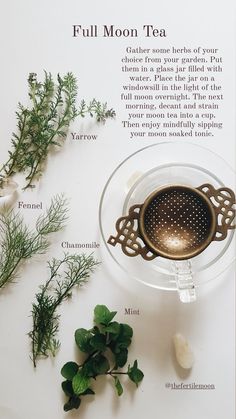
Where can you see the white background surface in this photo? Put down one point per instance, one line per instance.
(37, 36)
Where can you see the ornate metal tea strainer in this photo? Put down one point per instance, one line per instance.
(176, 222)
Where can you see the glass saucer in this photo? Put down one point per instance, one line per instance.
(139, 175)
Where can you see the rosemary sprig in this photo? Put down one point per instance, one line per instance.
(65, 274)
(18, 242)
(45, 122)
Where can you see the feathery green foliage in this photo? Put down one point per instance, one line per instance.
(44, 124)
(65, 274)
(18, 242)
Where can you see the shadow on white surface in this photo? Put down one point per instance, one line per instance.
(8, 413)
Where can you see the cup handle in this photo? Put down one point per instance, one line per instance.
(184, 280)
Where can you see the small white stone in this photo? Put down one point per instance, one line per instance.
(8, 187)
(183, 351)
(8, 191)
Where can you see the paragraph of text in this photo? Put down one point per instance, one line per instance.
(172, 92)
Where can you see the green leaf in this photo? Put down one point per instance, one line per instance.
(118, 386)
(87, 392)
(67, 388)
(98, 342)
(135, 374)
(121, 358)
(126, 331)
(88, 369)
(103, 315)
(117, 346)
(73, 403)
(96, 366)
(113, 328)
(82, 339)
(95, 330)
(100, 364)
(69, 370)
(123, 340)
(123, 344)
(80, 383)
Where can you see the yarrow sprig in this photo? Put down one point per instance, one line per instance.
(44, 124)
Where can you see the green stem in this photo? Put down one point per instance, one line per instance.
(36, 351)
(73, 282)
(3, 280)
(33, 90)
(112, 372)
(6, 279)
(9, 171)
(34, 168)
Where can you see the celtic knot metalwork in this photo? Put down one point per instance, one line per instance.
(133, 242)
(223, 201)
(128, 235)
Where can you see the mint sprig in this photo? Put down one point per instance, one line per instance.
(106, 346)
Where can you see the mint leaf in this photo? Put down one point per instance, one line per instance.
(126, 332)
(113, 328)
(122, 343)
(121, 358)
(106, 351)
(118, 386)
(67, 388)
(69, 370)
(96, 366)
(103, 315)
(100, 364)
(80, 383)
(87, 392)
(88, 369)
(123, 340)
(95, 330)
(135, 374)
(98, 342)
(82, 339)
(73, 403)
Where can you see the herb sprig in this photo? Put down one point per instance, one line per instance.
(105, 344)
(97, 109)
(44, 124)
(18, 243)
(65, 274)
